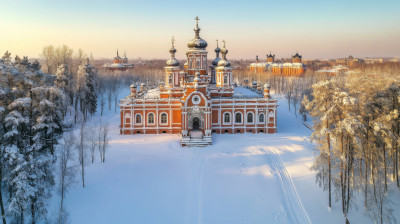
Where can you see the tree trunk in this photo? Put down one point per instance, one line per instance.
(76, 107)
(341, 171)
(33, 218)
(3, 215)
(22, 216)
(397, 165)
(385, 166)
(349, 169)
(83, 174)
(366, 182)
(329, 165)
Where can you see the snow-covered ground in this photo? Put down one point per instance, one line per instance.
(241, 178)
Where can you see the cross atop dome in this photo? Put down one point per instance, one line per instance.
(197, 20)
(172, 41)
(223, 41)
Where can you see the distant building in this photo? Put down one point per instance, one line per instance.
(335, 70)
(294, 68)
(119, 64)
(349, 61)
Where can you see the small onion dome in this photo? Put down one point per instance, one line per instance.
(133, 85)
(297, 55)
(270, 55)
(197, 42)
(173, 61)
(217, 58)
(266, 86)
(143, 84)
(224, 62)
(215, 61)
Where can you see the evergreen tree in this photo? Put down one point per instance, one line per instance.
(17, 153)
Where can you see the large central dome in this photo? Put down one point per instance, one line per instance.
(197, 42)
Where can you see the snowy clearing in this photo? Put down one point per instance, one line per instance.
(241, 178)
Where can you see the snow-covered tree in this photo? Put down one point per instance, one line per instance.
(18, 150)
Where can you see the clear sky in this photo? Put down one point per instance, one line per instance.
(316, 29)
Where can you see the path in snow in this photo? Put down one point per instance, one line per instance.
(292, 200)
(195, 208)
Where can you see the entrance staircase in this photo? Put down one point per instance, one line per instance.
(196, 138)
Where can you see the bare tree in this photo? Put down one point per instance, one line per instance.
(92, 142)
(105, 141)
(49, 56)
(82, 150)
(67, 170)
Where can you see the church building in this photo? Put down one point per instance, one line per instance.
(119, 64)
(294, 68)
(198, 101)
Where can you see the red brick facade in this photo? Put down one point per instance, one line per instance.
(188, 101)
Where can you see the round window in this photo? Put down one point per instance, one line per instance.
(196, 100)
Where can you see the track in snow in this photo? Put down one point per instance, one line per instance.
(292, 200)
(195, 211)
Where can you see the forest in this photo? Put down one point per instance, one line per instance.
(48, 136)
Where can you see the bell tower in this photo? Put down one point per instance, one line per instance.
(197, 54)
(224, 70)
(172, 69)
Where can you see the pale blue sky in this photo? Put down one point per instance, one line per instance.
(317, 29)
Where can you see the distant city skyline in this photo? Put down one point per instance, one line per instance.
(315, 29)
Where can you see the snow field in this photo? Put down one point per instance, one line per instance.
(241, 178)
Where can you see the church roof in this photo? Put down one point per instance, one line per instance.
(197, 42)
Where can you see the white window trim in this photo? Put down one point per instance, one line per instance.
(227, 80)
(127, 115)
(163, 124)
(258, 118)
(273, 115)
(141, 118)
(241, 119)
(247, 114)
(170, 80)
(230, 118)
(154, 117)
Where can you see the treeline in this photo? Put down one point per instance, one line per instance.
(39, 149)
(356, 129)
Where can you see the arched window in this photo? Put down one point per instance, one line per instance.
(225, 79)
(164, 119)
(271, 116)
(227, 118)
(150, 118)
(238, 118)
(170, 80)
(127, 118)
(261, 118)
(198, 63)
(250, 117)
(138, 119)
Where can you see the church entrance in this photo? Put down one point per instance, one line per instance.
(196, 124)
